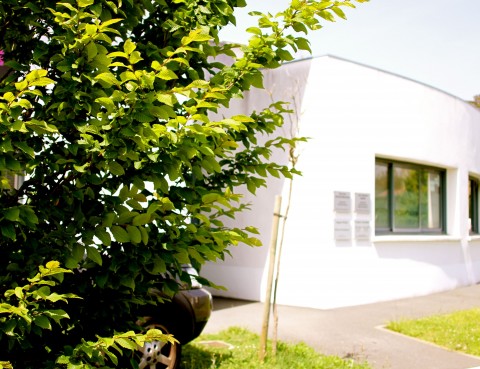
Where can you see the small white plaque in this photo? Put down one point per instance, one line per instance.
(343, 230)
(342, 202)
(362, 203)
(362, 230)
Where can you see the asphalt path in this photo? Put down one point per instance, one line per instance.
(358, 332)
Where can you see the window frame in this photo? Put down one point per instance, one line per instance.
(473, 204)
(391, 229)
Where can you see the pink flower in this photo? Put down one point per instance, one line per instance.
(1, 58)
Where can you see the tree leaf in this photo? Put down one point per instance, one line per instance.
(106, 102)
(126, 343)
(25, 148)
(182, 256)
(94, 255)
(141, 219)
(110, 22)
(129, 46)
(107, 78)
(167, 74)
(28, 215)
(12, 214)
(103, 236)
(42, 321)
(90, 30)
(78, 252)
(135, 57)
(116, 168)
(134, 234)
(120, 234)
(195, 35)
(56, 314)
(144, 233)
(159, 112)
(84, 3)
(159, 265)
(53, 264)
(128, 281)
(303, 44)
(8, 231)
(210, 198)
(43, 81)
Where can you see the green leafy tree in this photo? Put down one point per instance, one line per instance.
(105, 111)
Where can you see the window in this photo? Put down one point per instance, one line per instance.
(473, 185)
(409, 198)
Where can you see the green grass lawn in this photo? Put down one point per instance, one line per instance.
(459, 331)
(244, 354)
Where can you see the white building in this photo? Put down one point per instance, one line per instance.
(387, 206)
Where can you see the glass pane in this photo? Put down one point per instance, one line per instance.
(406, 198)
(381, 195)
(431, 200)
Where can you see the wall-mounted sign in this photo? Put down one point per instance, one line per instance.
(362, 203)
(343, 230)
(362, 230)
(342, 202)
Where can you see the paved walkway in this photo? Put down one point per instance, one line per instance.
(355, 332)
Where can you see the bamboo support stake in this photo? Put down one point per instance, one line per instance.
(271, 268)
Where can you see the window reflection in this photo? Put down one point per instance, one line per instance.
(381, 195)
(408, 198)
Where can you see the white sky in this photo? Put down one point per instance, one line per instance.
(436, 42)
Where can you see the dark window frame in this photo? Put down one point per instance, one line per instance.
(473, 205)
(391, 229)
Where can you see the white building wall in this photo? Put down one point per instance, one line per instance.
(352, 115)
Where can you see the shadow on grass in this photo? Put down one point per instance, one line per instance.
(197, 357)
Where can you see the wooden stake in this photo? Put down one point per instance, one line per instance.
(271, 268)
(277, 270)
